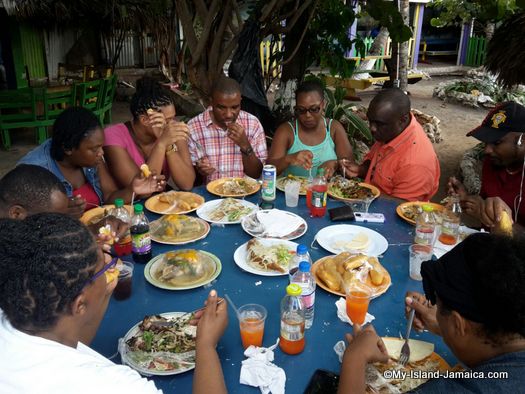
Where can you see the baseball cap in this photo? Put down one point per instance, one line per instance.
(504, 118)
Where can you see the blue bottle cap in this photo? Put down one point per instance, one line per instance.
(302, 249)
(304, 266)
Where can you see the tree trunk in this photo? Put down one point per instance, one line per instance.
(403, 48)
(375, 50)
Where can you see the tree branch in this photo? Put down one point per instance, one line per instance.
(208, 24)
(297, 15)
(267, 10)
(187, 24)
(216, 44)
(201, 8)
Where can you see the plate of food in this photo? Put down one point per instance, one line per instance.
(182, 269)
(334, 273)
(95, 215)
(160, 345)
(233, 187)
(410, 210)
(265, 256)
(351, 190)
(350, 238)
(226, 211)
(174, 202)
(274, 223)
(422, 358)
(178, 229)
(281, 183)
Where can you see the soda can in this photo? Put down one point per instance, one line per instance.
(269, 175)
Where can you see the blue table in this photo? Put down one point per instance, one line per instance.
(242, 287)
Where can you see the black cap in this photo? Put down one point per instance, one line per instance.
(504, 118)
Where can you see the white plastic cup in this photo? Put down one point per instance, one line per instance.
(418, 254)
(291, 193)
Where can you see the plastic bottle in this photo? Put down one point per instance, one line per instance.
(123, 246)
(451, 220)
(319, 191)
(300, 255)
(140, 238)
(292, 321)
(425, 227)
(304, 278)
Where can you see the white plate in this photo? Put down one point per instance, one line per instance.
(151, 268)
(241, 255)
(298, 232)
(123, 349)
(328, 236)
(204, 211)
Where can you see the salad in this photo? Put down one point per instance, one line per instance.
(349, 189)
(229, 210)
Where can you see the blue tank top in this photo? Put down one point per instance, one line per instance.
(323, 152)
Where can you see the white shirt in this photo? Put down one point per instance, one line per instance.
(31, 364)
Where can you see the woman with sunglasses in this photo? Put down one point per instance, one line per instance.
(311, 141)
(55, 285)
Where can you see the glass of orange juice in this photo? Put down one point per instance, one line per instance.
(251, 323)
(357, 300)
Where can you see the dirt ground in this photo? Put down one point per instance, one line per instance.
(456, 121)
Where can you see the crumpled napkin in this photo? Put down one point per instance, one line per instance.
(339, 349)
(278, 223)
(341, 313)
(259, 371)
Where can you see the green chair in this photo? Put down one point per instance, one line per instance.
(19, 109)
(89, 94)
(110, 86)
(56, 101)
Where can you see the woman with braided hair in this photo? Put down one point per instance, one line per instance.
(54, 292)
(152, 137)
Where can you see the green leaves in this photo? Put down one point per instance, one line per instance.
(387, 14)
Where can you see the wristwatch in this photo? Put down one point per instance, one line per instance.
(247, 152)
(171, 148)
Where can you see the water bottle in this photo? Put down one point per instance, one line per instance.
(300, 255)
(450, 223)
(304, 278)
(319, 192)
(425, 227)
(140, 238)
(123, 246)
(291, 340)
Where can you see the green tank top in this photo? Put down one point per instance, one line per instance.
(323, 152)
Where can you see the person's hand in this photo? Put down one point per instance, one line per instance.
(237, 134)
(425, 317)
(330, 167)
(351, 169)
(175, 131)
(76, 206)
(472, 205)
(157, 121)
(303, 159)
(455, 187)
(491, 210)
(104, 241)
(366, 344)
(211, 322)
(119, 227)
(143, 186)
(204, 167)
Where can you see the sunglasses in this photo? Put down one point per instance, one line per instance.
(106, 271)
(302, 111)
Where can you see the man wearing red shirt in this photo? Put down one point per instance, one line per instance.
(502, 186)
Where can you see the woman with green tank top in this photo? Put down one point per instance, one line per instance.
(311, 141)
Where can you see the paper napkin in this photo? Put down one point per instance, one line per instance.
(341, 313)
(278, 223)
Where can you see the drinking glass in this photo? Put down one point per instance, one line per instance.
(251, 324)
(418, 254)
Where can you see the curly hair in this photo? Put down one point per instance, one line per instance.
(149, 94)
(46, 261)
(71, 127)
(497, 266)
(310, 86)
(29, 186)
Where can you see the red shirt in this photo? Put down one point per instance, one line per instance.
(406, 167)
(87, 192)
(497, 182)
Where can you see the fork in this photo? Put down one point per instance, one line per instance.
(177, 319)
(405, 350)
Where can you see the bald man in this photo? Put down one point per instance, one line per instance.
(402, 162)
(225, 141)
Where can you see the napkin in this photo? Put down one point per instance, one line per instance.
(278, 223)
(341, 313)
(259, 371)
(339, 349)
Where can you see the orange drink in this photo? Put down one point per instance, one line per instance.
(251, 324)
(357, 305)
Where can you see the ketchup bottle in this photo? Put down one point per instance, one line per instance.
(319, 192)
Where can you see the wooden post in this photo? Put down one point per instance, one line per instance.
(418, 24)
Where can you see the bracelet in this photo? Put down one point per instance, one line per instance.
(247, 152)
(172, 148)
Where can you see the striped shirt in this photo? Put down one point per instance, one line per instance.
(209, 140)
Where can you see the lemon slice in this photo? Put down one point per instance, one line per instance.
(359, 242)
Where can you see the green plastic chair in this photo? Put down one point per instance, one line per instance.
(110, 86)
(89, 94)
